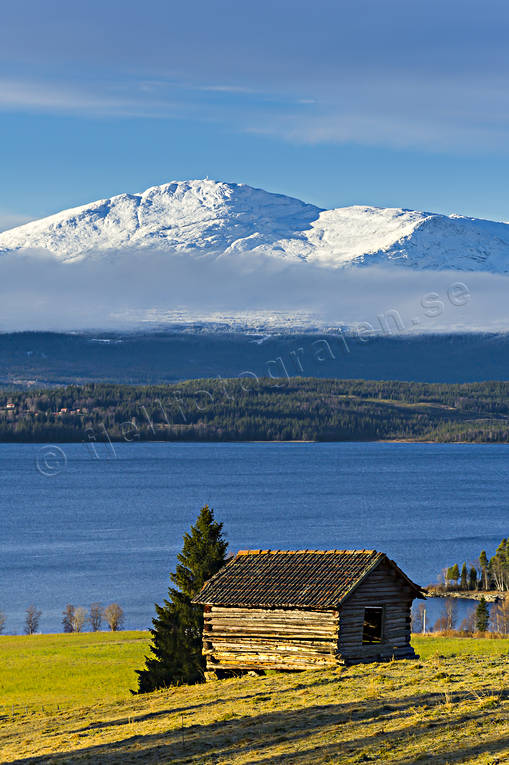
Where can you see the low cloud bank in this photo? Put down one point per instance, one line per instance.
(147, 288)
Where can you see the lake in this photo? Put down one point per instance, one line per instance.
(82, 524)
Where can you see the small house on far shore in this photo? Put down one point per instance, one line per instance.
(277, 609)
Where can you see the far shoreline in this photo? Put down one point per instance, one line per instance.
(182, 442)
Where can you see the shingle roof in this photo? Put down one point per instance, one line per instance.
(291, 578)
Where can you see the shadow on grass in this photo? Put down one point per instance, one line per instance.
(133, 718)
(330, 752)
(224, 739)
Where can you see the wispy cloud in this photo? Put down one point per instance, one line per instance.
(398, 111)
(100, 99)
(366, 72)
(225, 89)
(401, 110)
(31, 94)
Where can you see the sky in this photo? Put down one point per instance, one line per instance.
(392, 104)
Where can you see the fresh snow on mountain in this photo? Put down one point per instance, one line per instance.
(224, 219)
(203, 215)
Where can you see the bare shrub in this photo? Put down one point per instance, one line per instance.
(96, 617)
(500, 617)
(447, 619)
(32, 618)
(68, 617)
(114, 616)
(419, 618)
(450, 611)
(468, 623)
(79, 619)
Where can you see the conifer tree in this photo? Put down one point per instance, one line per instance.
(483, 562)
(464, 577)
(482, 615)
(472, 579)
(176, 647)
(452, 575)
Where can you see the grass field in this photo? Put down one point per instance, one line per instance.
(68, 670)
(451, 706)
(431, 646)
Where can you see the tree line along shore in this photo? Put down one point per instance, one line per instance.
(74, 618)
(248, 408)
(486, 574)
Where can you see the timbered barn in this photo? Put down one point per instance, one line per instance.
(275, 609)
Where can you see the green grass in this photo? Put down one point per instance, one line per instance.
(69, 670)
(451, 706)
(430, 646)
(78, 670)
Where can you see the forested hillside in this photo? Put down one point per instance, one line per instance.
(46, 359)
(248, 408)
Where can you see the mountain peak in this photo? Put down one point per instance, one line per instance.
(204, 215)
(216, 218)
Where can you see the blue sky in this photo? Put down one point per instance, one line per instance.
(393, 104)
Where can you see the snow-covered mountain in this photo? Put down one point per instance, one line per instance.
(224, 219)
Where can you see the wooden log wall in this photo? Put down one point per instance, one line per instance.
(258, 638)
(382, 588)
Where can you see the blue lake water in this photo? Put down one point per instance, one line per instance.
(82, 526)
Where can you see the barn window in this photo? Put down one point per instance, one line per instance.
(373, 625)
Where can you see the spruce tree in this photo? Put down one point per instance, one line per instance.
(482, 615)
(464, 577)
(483, 562)
(452, 575)
(472, 579)
(176, 645)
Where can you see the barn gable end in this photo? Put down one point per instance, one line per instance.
(385, 590)
(273, 609)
